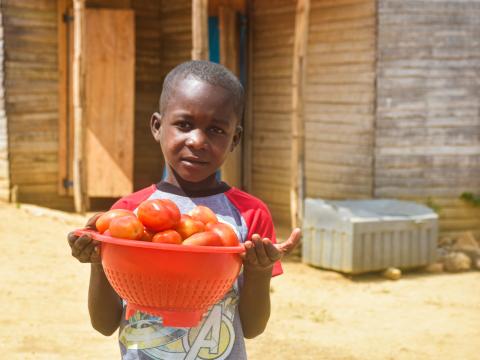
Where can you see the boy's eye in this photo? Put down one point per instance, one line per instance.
(217, 130)
(184, 125)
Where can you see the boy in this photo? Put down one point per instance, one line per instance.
(201, 106)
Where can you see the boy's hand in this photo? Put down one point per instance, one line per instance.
(84, 248)
(261, 254)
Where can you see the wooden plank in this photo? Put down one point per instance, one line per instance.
(200, 30)
(110, 84)
(79, 162)
(63, 91)
(232, 168)
(248, 120)
(297, 164)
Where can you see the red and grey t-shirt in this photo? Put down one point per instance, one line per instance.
(219, 335)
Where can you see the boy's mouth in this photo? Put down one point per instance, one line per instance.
(193, 161)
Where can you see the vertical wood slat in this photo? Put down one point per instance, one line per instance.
(81, 200)
(298, 85)
(247, 126)
(232, 168)
(62, 96)
(200, 50)
(4, 156)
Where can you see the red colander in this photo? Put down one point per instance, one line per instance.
(176, 282)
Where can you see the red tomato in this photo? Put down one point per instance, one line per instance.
(226, 233)
(126, 227)
(203, 214)
(103, 222)
(167, 237)
(188, 226)
(147, 235)
(205, 238)
(158, 214)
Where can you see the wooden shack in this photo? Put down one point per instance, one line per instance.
(346, 98)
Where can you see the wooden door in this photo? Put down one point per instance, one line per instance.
(109, 92)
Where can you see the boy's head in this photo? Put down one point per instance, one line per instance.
(201, 107)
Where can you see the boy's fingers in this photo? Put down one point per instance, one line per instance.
(86, 254)
(250, 254)
(272, 252)
(255, 237)
(91, 222)
(80, 244)
(287, 246)
(72, 238)
(262, 257)
(96, 258)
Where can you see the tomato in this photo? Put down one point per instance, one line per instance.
(167, 237)
(203, 214)
(158, 214)
(126, 227)
(188, 226)
(147, 235)
(226, 233)
(205, 238)
(103, 222)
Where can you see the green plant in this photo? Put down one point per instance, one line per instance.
(432, 205)
(471, 198)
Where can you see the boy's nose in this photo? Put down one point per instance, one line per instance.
(196, 139)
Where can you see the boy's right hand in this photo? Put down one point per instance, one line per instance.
(84, 248)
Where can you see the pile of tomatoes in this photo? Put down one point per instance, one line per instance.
(160, 221)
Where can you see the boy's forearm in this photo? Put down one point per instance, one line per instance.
(254, 304)
(104, 304)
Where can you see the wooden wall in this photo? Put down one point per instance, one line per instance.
(164, 39)
(340, 99)
(273, 31)
(31, 99)
(148, 161)
(4, 165)
(428, 114)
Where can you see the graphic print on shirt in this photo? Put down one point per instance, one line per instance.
(212, 339)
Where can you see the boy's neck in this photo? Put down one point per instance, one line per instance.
(207, 184)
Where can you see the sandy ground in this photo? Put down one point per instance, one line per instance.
(315, 314)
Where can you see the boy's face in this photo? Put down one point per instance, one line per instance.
(197, 130)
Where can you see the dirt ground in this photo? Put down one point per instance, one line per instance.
(315, 314)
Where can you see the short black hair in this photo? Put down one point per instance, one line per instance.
(210, 72)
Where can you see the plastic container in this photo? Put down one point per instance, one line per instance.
(357, 236)
(176, 282)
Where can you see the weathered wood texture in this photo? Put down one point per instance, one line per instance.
(148, 160)
(200, 49)
(31, 99)
(340, 99)
(297, 163)
(229, 51)
(163, 40)
(4, 165)
(109, 101)
(428, 112)
(273, 32)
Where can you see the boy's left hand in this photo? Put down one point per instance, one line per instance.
(260, 254)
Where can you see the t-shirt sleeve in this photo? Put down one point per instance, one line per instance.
(132, 201)
(257, 218)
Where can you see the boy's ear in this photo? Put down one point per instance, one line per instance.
(237, 137)
(155, 124)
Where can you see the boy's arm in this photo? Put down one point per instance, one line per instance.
(104, 305)
(260, 255)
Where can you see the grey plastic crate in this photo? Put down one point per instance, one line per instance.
(359, 236)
